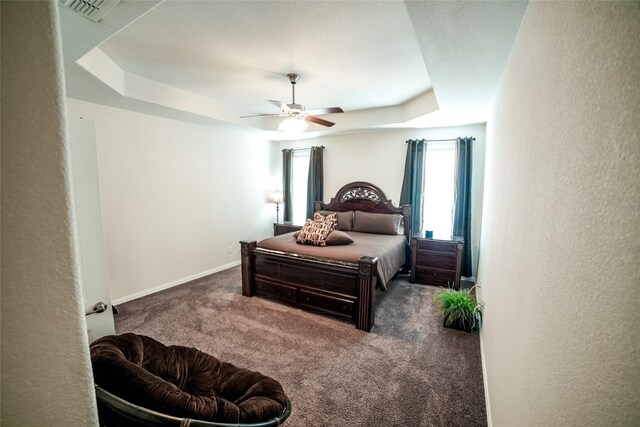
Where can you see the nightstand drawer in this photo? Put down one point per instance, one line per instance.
(437, 259)
(436, 262)
(434, 276)
(437, 246)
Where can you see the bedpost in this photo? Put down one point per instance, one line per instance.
(408, 234)
(248, 270)
(367, 274)
(408, 221)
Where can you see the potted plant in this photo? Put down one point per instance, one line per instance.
(459, 309)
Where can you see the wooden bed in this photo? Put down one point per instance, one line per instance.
(339, 288)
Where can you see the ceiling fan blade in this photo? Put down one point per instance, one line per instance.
(319, 121)
(330, 110)
(281, 105)
(260, 115)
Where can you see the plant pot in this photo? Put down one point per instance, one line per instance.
(458, 325)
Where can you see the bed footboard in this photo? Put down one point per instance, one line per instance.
(367, 275)
(340, 289)
(247, 266)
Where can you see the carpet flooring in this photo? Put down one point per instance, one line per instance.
(410, 371)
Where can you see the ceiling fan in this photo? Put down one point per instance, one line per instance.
(296, 112)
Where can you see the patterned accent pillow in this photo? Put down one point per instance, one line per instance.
(314, 233)
(332, 217)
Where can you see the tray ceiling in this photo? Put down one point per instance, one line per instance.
(212, 61)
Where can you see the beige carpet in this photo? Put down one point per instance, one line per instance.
(410, 371)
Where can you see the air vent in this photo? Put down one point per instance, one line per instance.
(94, 10)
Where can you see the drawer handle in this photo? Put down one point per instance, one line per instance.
(306, 298)
(288, 294)
(344, 307)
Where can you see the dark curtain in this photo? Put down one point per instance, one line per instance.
(287, 185)
(413, 181)
(462, 201)
(315, 180)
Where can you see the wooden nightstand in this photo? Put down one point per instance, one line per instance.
(282, 228)
(436, 262)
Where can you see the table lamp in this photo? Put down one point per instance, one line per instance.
(276, 197)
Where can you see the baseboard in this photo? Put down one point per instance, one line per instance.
(484, 380)
(173, 283)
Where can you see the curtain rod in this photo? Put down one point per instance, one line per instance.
(442, 140)
(300, 149)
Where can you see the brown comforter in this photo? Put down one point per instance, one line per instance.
(390, 249)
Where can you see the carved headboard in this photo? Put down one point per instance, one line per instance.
(364, 196)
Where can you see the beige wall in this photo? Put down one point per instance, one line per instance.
(560, 249)
(176, 197)
(46, 377)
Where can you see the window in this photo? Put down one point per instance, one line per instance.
(438, 192)
(299, 176)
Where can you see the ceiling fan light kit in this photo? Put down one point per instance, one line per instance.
(296, 114)
(293, 124)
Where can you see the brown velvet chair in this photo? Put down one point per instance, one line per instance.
(141, 382)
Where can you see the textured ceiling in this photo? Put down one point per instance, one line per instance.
(212, 61)
(354, 55)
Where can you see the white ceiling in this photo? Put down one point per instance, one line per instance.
(213, 61)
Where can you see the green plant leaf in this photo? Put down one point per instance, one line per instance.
(458, 305)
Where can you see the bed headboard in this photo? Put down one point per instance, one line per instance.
(364, 196)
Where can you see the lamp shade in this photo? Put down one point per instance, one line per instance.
(275, 197)
(293, 124)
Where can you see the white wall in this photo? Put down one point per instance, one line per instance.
(175, 196)
(46, 373)
(560, 250)
(378, 157)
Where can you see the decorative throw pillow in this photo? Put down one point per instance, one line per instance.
(337, 237)
(367, 222)
(314, 233)
(345, 219)
(332, 218)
